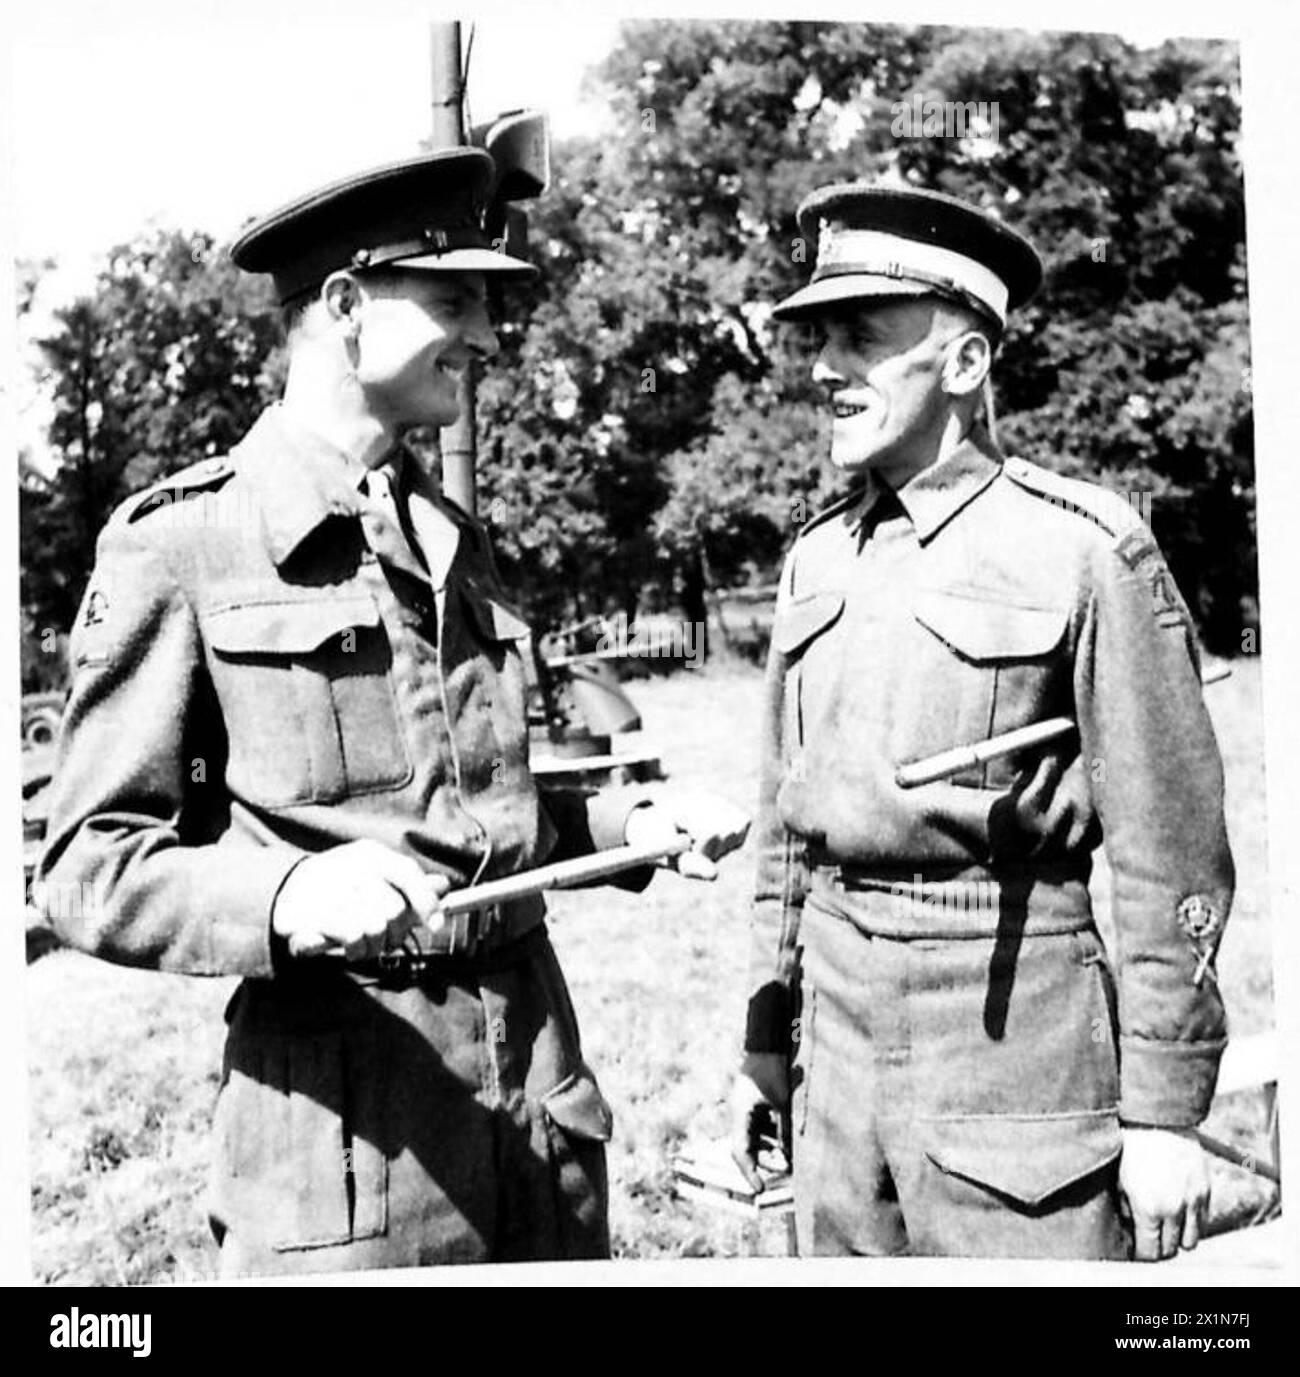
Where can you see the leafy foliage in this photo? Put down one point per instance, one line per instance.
(166, 362)
(646, 426)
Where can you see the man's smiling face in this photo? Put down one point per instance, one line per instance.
(881, 364)
(417, 332)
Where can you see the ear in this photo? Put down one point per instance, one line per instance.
(970, 356)
(341, 294)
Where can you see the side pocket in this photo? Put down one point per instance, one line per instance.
(1027, 1159)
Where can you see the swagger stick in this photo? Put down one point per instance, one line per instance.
(948, 763)
(557, 875)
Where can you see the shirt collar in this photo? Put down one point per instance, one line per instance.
(934, 496)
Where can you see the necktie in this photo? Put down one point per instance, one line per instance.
(431, 536)
(377, 486)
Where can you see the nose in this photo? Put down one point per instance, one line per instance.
(479, 334)
(824, 371)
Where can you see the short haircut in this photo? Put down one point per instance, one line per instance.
(293, 310)
(971, 318)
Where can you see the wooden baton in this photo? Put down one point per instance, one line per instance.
(948, 763)
(557, 875)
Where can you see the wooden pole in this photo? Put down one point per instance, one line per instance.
(458, 442)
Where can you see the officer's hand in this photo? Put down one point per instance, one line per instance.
(1052, 802)
(760, 1112)
(361, 897)
(713, 826)
(1163, 1177)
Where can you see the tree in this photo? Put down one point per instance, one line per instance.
(166, 361)
(665, 244)
(646, 424)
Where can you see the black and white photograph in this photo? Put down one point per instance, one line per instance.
(642, 647)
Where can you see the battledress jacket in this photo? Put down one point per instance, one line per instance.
(983, 596)
(263, 667)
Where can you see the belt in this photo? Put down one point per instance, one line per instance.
(972, 903)
(479, 939)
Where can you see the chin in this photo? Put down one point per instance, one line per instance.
(443, 412)
(855, 448)
(849, 458)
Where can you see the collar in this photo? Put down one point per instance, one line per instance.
(301, 478)
(934, 496)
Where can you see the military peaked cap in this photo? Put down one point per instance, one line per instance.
(424, 213)
(882, 241)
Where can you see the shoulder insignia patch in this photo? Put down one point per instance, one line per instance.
(1136, 547)
(1140, 554)
(91, 631)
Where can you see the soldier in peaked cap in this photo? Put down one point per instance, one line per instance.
(295, 724)
(965, 1068)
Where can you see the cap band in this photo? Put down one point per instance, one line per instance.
(877, 254)
(313, 265)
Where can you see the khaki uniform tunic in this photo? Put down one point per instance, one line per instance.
(964, 1049)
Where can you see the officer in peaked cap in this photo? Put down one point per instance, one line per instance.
(297, 718)
(894, 242)
(965, 1067)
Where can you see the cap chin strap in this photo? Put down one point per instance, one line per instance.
(990, 418)
(841, 252)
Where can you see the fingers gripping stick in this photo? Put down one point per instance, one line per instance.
(560, 875)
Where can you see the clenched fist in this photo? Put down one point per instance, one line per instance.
(361, 897)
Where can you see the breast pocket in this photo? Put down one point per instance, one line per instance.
(798, 632)
(306, 689)
(976, 666)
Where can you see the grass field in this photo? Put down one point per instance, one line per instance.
(124, 1063)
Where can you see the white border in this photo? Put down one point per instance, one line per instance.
(1271, 118)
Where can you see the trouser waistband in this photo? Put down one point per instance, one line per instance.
(972, 903)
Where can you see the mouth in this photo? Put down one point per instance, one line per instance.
(447, 369)
(846, 409)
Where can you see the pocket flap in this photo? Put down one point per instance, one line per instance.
(495, 619)
(799, 620)
(1028, 1157)
(577, 1106)
(289, 628)
(979, 629)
